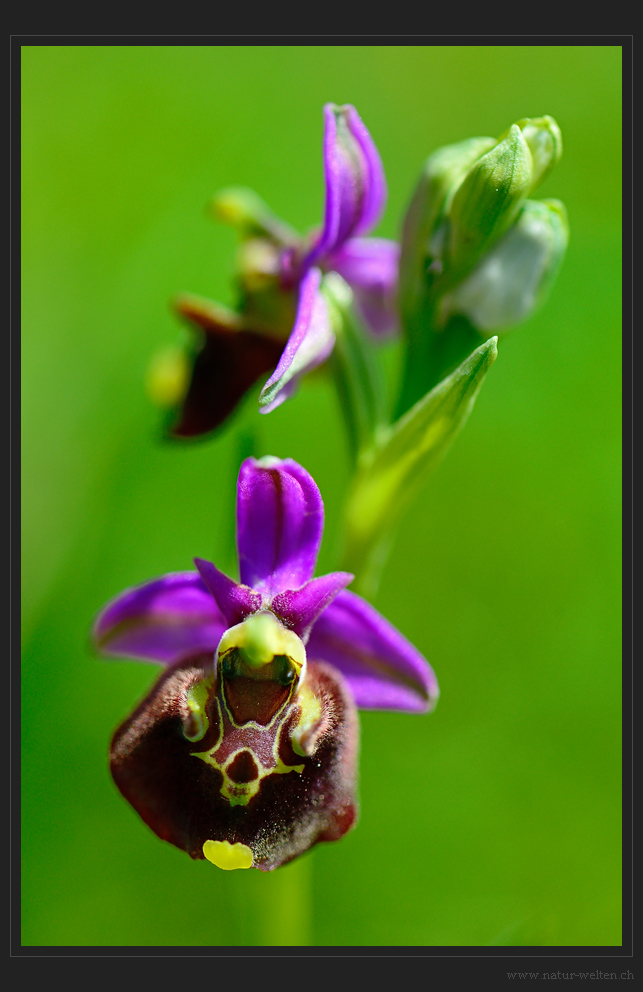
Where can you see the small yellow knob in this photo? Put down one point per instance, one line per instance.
(228, 856)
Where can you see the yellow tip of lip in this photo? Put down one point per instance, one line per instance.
(228, 856)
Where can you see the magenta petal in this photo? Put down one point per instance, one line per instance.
(371, 267)
(163, 620)
(300, 608)
(309, 344)
(235, 602)
(382, 668)
(354, 180)
(280, 519)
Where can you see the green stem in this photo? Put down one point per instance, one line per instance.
(270, 909)
(433, 354)
(356, 374)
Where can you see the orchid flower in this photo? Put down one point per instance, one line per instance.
(287, 297)
(244, 752)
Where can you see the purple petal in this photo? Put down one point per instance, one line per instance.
(235, 602)
(371, 266)
(309, 344)
(163, 620)
(384, 670)
(300, 608)
(354, 179)
(280, 519)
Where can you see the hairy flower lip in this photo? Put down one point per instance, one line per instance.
(184, 792)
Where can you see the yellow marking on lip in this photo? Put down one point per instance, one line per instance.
(197, 724)
(310, 716)
(240, 793)
(228, 856)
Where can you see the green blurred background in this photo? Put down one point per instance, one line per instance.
(493, 821)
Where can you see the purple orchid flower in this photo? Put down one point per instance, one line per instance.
(245, 750)
(355, 199)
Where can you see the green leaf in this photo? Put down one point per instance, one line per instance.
(390, 478)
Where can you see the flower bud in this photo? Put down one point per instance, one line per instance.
(488, 201)
(514, 278)
(424, 223)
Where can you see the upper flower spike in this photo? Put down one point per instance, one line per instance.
(283, 321)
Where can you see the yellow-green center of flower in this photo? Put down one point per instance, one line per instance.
(261, 663)
(260, 640)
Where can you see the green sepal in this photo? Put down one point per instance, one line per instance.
(392, 475)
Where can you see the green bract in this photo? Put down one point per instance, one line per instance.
(392, 475)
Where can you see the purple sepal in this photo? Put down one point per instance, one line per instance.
(163, 620)
(300, 608)
(354, 180)
(373, 180)
(310, 343)
(235, 602)
(382, 668)
(371, 266)
(280, 519)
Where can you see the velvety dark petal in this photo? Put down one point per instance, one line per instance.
(300, 608)
(310, 344)
(229, 361)
(163, 620)
(354, 179)
(202, 782)
(235, 602)
(371, 266)
(280, 519)
(382, 668)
